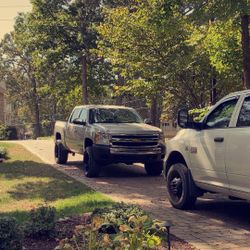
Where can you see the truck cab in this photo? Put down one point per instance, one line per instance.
(212, 155)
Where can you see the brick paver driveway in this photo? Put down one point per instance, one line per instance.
(217, 223)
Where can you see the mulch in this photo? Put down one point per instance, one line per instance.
(65, 229)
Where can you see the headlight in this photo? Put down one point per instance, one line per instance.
(102, 138)
(161, 138)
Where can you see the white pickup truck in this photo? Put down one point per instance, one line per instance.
(109, 134)
(212, 155)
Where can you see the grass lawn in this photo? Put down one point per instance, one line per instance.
(26, 182)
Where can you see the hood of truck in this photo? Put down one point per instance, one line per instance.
(126, 128)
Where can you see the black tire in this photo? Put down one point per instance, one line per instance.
(91, 167)
(61, 153)
(178, 187)
(154, 168)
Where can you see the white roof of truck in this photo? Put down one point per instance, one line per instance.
(103, 106)
(242, 92)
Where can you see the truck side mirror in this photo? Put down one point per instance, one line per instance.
(78, 121)
(148, 121)
(183, 118)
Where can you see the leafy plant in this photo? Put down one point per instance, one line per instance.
(117, 214)
(3, 132)
(119, 227)
(42, 222)
(3, 153)
(138, 235)
(10, 234)
(8, 132)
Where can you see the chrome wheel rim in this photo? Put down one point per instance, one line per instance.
(175, 186)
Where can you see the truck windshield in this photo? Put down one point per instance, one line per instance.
(103, 115)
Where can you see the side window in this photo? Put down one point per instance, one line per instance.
(244, 116)
(75, 114)
(83, 115)
(221, 116)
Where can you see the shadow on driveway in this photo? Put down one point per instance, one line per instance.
(131, 183)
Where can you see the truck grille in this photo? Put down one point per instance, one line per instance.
(135, 144)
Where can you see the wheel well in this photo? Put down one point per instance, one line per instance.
(88, 142)
(58, 136)
(174, 157)
(177, 157)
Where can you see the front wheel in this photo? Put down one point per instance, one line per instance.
(91, 167)
(61, 153)
(154, 168)
(178, 187)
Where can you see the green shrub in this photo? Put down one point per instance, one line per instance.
(10, 234)
(41, 222)
(47, 127)
(8, 132)
(11, 132)
(3, 153)
(3, 132)
(118, 213)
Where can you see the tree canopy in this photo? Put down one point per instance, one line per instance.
(155, 53)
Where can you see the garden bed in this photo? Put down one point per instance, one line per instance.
(65, 229)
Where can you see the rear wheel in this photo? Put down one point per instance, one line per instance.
(178, 187)
(154, 168)
(61, 153)
(91, 167)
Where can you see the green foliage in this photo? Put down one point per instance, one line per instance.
(3, 153)
(3, 132)
(224, 35)
(41, 222)
(165, 49)
(160, 51)
(198, 114)
(138, 40)
(41, 60)
(117, 215)
(10, 234)
(11, 132)
(223, 43)
(7, 132)
(119, 227)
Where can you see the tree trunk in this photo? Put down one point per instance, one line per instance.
(37, 128)
(213, 97)
(153, 111)
(84, 81)
(246, 48)
(119, 98)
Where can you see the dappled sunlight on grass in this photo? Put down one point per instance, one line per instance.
(26, 182)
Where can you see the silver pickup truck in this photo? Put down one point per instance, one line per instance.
(109, 134)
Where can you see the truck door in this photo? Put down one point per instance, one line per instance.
(238, 153)
(208, 160)
(80, 131)
(71, 129)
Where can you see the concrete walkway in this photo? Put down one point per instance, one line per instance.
(217, 223)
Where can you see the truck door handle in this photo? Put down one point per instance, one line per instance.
(218, 139)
